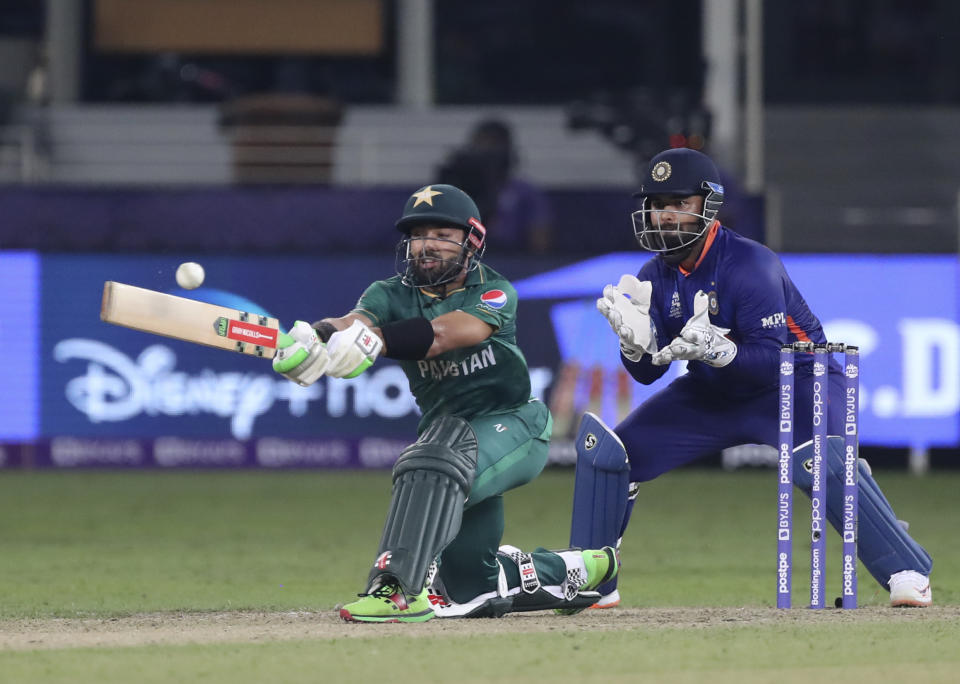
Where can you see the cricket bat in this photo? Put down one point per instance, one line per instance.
(189, 320)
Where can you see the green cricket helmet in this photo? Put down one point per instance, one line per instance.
(446, 206)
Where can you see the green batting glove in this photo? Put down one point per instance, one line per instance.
(301, 356)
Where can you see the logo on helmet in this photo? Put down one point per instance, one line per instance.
(661, 171)
(426, 195)
(478, 234)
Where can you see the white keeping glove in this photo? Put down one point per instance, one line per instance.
(626, 307)
(699, 340)
(352, 351)
(301, 355)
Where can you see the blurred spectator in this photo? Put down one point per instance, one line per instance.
(516, 213)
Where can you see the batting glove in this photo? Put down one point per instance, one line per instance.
(301, 355)
(352, 351)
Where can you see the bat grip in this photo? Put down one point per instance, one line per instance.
(324, 330)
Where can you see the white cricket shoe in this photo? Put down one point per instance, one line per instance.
(611, 600)
(910, 588)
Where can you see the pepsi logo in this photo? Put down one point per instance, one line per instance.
(495, 299)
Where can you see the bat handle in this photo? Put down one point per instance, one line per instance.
(324, 330)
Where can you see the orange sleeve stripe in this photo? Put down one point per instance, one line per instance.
(797, 330)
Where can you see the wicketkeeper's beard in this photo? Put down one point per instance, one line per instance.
(677, 257)
(676, 244)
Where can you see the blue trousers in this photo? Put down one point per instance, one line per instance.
(686, 421)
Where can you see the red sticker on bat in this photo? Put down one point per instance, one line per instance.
(252, 333)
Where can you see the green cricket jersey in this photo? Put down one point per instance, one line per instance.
(486, 378)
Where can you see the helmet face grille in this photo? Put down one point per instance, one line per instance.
(654, 236)
(413, 271)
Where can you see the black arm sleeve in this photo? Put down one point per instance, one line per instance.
(409, 339)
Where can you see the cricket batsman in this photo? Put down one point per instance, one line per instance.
(725, 305)
(450, 320)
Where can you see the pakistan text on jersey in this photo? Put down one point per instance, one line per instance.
(440, 369)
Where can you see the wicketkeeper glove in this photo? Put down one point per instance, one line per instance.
(626, 307)
(301, 356)
(352, 351)
(699, 340)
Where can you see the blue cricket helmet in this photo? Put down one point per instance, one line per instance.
(679, 172)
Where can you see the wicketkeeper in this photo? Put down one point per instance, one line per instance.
(451, 322)
(725, 305)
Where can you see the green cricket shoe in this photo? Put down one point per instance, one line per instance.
(602, 565)
(388, 604)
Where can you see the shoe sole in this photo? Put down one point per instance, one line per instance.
(598, 606)
(570, 611)
(909, 604)
(347, 616)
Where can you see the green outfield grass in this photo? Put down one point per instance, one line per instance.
(107, 544)
(720, 656)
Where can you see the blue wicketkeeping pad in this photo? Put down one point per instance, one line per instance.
(600, 486)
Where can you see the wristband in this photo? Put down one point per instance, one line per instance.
(407, 340)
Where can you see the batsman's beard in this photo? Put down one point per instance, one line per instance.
(432, 269)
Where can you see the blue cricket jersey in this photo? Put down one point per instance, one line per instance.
(750, 293)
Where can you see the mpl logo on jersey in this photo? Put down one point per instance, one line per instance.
(495, 299)
(777, 320)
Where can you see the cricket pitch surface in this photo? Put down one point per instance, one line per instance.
(261, 627)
